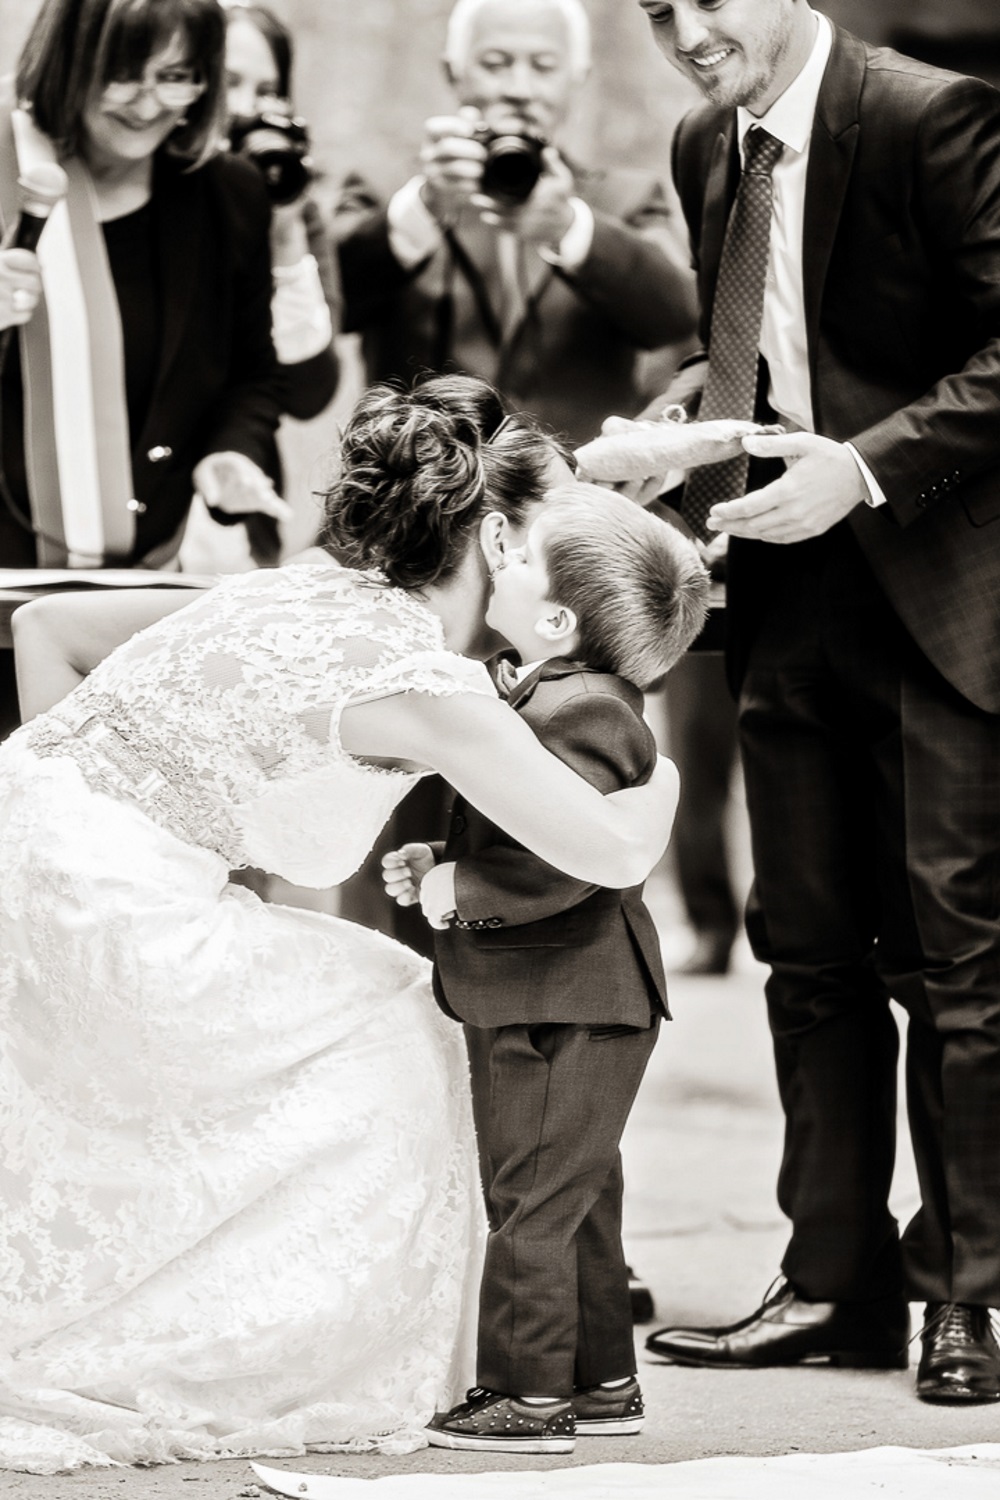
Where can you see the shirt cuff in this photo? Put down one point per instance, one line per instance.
(876, 495)
(574, 247)
(300, 317)
(414, 233)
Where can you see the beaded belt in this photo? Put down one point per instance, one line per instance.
(119, 760)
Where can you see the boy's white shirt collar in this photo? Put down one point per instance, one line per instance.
(790, 118)
(532, 666)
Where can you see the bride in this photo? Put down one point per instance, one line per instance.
(241, 1206)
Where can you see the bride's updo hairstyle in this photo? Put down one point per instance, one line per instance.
(418, 470)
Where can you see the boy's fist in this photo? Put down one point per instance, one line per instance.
(403, 871)
(437, 895)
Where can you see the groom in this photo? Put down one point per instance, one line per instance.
(864, 642)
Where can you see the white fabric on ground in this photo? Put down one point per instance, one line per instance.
(971, 1473)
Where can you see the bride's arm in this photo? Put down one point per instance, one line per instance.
(59, 638)
(489, 755)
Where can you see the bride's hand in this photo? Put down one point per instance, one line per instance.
(653, 807)
(403, 871)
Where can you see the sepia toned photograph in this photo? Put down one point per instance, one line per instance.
(499, 749)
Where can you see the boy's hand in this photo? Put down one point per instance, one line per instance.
(403, 871)
(437, 895)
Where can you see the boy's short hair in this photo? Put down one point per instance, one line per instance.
(636, 584)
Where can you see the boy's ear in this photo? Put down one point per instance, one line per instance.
(558, 627)
(494, 540)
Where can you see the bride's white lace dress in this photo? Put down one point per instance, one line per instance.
(238, 1196)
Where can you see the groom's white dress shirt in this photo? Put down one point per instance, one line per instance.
(783, 341)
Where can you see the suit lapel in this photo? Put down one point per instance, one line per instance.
(831, 157)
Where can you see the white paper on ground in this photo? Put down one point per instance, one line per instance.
(971, 1473)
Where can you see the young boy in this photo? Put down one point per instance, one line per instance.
(560, 984)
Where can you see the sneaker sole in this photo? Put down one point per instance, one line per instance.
(608, 1426)
(439, 1439)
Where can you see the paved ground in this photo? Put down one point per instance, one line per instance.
(701, 1153)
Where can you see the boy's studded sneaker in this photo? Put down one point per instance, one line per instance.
(493, 1423)
(601, 1412)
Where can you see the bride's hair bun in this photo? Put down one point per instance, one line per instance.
(411, 485)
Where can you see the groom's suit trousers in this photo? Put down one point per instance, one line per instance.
(874, 795)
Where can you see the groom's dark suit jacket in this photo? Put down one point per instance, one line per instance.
(533, 945)
(901, 262)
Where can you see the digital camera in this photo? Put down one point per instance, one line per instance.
(278, 146)
(513, 163)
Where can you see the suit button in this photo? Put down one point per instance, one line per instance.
(136, 506)
(159, 453)
(494, 922)
(458, 823)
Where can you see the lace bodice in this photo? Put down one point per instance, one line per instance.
(236, 701)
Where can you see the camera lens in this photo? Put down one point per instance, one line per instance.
(278, 148)
(512, 168)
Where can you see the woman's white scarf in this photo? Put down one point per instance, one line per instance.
(76, 435)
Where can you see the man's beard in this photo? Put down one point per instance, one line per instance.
(746, 90)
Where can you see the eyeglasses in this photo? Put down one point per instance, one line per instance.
(171, 89)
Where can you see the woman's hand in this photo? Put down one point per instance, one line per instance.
(20, 287)
(651, 810)
(233, 483)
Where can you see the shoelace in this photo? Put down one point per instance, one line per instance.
(954, 1319)
(776, 1291)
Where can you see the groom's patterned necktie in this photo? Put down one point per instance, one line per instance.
(731, 386)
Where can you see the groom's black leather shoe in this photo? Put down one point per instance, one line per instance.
(788, 1330)
(960, 1359)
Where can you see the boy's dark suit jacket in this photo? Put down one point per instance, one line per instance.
(533, 945)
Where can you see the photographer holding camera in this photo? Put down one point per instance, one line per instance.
(501, 258)
(305, 308)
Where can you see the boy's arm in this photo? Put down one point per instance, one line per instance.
(603, 740)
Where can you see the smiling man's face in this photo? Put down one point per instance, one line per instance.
(737, 52)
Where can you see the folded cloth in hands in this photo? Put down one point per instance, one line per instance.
(638, 450)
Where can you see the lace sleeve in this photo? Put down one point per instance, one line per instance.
(438, 673)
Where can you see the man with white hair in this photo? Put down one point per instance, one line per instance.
(551, 289)
(551, 294)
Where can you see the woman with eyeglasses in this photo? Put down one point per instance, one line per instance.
(143, 368)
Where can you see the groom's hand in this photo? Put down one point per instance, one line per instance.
(437, 895)
(403, 871)
(821, 485)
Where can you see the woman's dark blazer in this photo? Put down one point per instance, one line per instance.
(216, 387)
